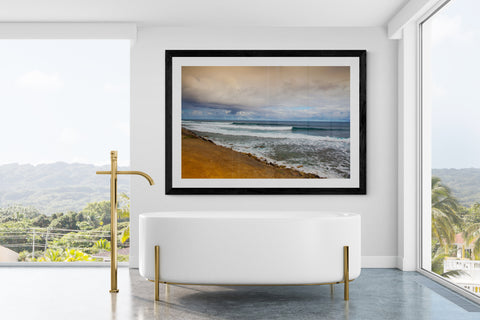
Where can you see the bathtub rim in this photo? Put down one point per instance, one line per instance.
(254, 215)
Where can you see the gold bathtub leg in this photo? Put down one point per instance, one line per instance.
(346, 276)
(157, 273)
(332, 289)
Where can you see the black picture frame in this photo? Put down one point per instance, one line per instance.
(358, 55)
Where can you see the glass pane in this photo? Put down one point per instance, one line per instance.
(64, 106)
(451, 106)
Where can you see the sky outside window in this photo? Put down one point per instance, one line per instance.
(455, 67)
(64, 100)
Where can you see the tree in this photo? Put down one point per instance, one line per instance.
(97, 213)
(66, 221)
(444, 213)
(102, 244)
(437, 266)
(51, 256)
(80, 239)
(76, 255)
(124, 215)
(23, 256)
(68, 255)
(15, 235)
(472, 229)
(41, 221)
(17, 213)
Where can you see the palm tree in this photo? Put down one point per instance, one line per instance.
(437, 266)
(76, 255)
(52, 256)
(472, 231)
(102, 244)
(444, 213)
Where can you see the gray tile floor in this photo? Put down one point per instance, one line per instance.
(82, 293)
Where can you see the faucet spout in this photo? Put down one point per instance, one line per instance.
(140, 173)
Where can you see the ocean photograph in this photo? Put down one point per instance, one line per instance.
(265, 122)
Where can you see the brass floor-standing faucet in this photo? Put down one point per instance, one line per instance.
(113, 214)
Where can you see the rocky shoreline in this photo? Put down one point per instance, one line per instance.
(202, 158)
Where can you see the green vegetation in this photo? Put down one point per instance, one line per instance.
(449, 218)
(444, 213)
(69, 236)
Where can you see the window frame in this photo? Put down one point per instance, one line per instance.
(71, 31)
(424, 160)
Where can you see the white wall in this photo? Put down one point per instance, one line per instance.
(378, 207)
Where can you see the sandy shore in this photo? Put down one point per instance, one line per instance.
(203, 159)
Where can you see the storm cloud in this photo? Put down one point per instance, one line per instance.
(271, 93)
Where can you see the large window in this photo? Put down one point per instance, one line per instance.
(64, 104)
(451, 150)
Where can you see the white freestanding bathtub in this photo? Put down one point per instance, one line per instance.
(250, 248)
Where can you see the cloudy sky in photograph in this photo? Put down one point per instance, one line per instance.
(266, 93)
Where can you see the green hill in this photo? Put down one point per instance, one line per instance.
(56, 187)
(464, 183)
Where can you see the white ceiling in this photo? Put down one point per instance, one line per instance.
(206, 12)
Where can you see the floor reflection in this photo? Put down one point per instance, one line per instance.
(368, 300)
(376, 294)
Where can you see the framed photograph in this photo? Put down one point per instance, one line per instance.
(265, 121)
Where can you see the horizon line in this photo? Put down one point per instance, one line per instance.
(335, 120)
